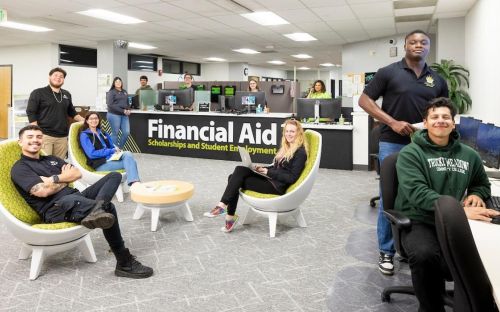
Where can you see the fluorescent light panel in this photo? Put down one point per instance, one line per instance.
(140, 46)
(215, 59)
(246, 51)
(303, 68)
(26, 27)
(111, 16)
(300, 37)
(327, 64)
(276, 62)
(265, 18)
(302, 56)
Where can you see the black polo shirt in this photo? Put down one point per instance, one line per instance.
(51, 110)
(26, 173)
(404, 95)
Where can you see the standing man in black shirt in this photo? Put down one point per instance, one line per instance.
(406, 87)
(49, 108)
(43, 182)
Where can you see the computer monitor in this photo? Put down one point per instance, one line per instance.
(184, 97)
(329, 109)
(199, 87)
(488, 144)
(229, 90)
(468, 130)
(133, 101)
(249, 100)
(215, 91)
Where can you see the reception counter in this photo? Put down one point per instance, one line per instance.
(217, 136)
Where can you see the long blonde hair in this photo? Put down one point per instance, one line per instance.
(287, 150)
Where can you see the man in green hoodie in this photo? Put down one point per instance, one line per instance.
(436, 164)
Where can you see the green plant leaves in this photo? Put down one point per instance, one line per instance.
(457, 78)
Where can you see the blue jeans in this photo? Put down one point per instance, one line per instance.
(119, 122)
(384, 232)
(127, 162)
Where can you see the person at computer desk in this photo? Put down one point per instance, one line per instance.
(98, 147)
(318, 91)
(253, 86)
(285, 170)
(188, 83)
(434, 164)
(144, 85)
(118, 112)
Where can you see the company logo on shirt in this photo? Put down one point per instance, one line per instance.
(429, 81)
(53, 163)
(65, 97)
(448, 164)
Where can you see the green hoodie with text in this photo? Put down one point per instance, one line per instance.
(426, 171)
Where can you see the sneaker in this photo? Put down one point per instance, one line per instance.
(216, 211)
(230, 225)
(386, 264)
(98, 217)
(128, 266)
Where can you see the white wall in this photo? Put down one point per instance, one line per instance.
(482, 26)
(266, 72)
(215, 71)
(450, 40)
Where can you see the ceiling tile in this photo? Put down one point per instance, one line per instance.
(334, 13)
(372, 10)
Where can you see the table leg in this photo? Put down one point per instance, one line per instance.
(155, 216)
(139, 211)
(186, 210)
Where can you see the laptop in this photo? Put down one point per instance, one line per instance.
(246, 161)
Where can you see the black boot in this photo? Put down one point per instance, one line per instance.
(98, 217)
(127, 266)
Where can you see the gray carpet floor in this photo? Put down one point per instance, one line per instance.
(329, 266)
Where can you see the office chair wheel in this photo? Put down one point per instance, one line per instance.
(385, 296)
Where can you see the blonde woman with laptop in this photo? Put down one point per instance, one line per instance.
(285, 170)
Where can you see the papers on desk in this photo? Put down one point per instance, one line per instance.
(116, 156)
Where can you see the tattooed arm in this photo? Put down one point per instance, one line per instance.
(47, 187)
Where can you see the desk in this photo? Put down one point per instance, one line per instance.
(486, 235)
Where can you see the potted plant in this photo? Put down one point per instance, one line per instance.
(455, 76)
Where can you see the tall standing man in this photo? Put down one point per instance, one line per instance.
(49, 108)
(144, 84)
(406, 87)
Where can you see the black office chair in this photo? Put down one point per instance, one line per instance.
(399, 222)
(472, 288)
(373, 154)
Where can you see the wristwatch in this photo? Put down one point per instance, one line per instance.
(55, 178)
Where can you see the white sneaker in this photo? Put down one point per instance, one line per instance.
(386, 264)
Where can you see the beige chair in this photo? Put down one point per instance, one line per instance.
(273, 206)
(89, 176)
(38, 239)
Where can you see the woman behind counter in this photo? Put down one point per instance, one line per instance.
(253, 86)
(318, 91)
(285, 170)
(118, 112)
(98, 147)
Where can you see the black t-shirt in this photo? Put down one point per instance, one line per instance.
(26, 173)
(405, 95)
(50, 110)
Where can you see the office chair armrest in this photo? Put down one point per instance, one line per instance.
(398, 219)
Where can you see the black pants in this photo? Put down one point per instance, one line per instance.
(245, 178)
(104, 189)
(427, 265)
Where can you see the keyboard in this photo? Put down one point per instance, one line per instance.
(493, 202)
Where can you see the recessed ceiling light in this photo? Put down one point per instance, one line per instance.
(303, 68)
(276, 62)
(327, 64)
(26, 27)
(246, 51)
(302, 56)
(215, 59)
(265, 18)
(140, 46)
(66, 61)
(300, 37)
(144, 62)
(111, 16)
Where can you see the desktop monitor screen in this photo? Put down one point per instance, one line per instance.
(468, 130)
(244, 99)
(488, 144)
(215, 91)
(328, 108)
(184, 97)
(229, 90)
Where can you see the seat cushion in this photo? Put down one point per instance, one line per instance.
(54, 226)
(312, 153)
(10, 198)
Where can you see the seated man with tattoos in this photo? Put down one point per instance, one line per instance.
(43, 182)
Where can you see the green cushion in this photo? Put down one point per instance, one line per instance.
(79, 154)
(10, 152)
(54, 226)
(312, 153)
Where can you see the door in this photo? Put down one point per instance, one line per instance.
(5, 99)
